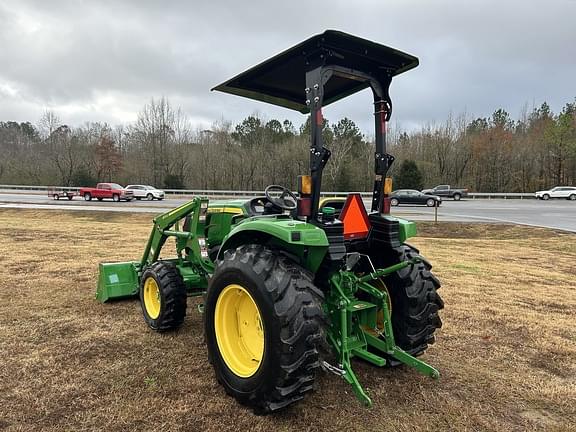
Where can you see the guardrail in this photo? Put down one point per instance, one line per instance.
(501, 195)
(244, 194)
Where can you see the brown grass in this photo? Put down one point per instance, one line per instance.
(506, 352)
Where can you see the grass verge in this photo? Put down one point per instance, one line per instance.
(506, 352)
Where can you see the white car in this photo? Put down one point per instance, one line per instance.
(567, 192)
(146, 192)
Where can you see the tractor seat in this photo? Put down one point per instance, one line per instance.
(262, 206)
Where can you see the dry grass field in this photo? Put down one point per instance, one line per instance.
(507, 351)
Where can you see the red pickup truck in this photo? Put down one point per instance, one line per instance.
(107, 190)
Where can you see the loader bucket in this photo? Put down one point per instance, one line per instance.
(117, 280)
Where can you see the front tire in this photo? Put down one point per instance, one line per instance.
(431, 202)
(163, 296)
(149, 197)
(394, 202)
(279, 365)
(572, 197)
(116, 198)
(457, 197)
(415, 301)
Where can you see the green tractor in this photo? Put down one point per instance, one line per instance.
(289, 285)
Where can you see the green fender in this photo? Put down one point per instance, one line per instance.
(306, 242)
(406, 229)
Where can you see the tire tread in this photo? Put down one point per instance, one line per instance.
(297, 307)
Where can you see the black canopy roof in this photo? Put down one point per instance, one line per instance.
(281, 79)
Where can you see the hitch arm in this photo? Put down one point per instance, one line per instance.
(388, 270)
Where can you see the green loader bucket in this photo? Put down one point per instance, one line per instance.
(117, 280)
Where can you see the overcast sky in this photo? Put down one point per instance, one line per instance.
(103, 60)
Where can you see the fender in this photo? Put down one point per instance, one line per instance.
(306, 242)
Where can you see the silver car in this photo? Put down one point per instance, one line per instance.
(146, 192)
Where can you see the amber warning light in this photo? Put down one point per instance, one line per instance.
(354, 218)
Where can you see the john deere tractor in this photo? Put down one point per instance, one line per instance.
(288, 285)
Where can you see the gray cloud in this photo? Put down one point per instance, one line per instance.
(104, 60)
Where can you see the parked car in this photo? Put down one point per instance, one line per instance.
(412, 196)
(447, 191)
(106, 190)
(146, 192)
(567, 192)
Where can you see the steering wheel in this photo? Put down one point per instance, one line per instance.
(286, 201)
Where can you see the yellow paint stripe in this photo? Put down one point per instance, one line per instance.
(232, 210)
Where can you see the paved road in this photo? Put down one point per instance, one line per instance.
(559, 214)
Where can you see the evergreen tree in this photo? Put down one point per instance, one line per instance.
(408, 176)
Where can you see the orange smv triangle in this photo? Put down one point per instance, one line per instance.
(354, 218)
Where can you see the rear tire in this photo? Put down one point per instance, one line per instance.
(572, 197)
(149, 197)
(394, 202)
(87, 197)
(290, 311)
(56, 197)
(170, 309)
(415, 301)
(545, 197)
(457, 197)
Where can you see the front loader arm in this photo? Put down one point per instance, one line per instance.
(188, 239)
(118, 280)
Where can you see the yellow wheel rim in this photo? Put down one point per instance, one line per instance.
(152, 298)
(239, 331)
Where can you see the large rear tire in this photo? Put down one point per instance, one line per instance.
(163, 296)
(415, 301)
(263, 327)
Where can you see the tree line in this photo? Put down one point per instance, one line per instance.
(162, 148)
